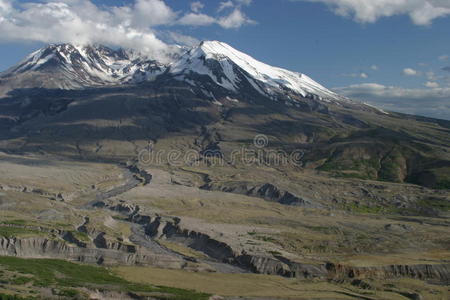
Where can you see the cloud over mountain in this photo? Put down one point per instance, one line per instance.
(135, 25)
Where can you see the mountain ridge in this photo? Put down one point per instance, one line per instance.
(84, 66)
(213, 96)
(67, 66)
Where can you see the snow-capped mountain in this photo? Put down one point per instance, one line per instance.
(67, 66)
(230, 68)
(210, 67)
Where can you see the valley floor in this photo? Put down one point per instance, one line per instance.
(204, 229)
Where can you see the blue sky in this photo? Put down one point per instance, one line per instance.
(389, 53)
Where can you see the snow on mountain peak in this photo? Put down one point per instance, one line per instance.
(79, 66)
(70, 66)
(266, 79)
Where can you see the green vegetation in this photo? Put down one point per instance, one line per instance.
(352, 175)
(68, 293)
(324, 229)
(14, 222)
(265, 238)
(183, 250)
(68, 275)
(262, 237)
(357, 170)
(21, 280)
(11, 297)
(443, 185)
(366, 209)
(45, 272)
(437, 178)
(81, 236)
(119, 218)
(355, 165)
(329, 166)
(9, 231)
(422, 204)
(439, 204)
(442, 178)
(391, 167)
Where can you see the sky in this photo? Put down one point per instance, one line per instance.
(394, 54)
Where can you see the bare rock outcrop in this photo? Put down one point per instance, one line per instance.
(39, 247)
(170, 229)
(102, 242)
(439, 272)
(265, 191)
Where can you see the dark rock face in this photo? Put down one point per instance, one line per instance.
(439, 272)
(265, 191)
(143, 176)
(272, 193)
(225, 253)
(345, 138)
(69, 237)
(195, 240)
(281, 266)
(101, 242)
(333, 146)
(398, 227)
(105, 251)
(47, 248)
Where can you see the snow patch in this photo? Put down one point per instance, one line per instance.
(229, 62)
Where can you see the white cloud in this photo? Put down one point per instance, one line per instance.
(197, 6)
(410, 72)
(82, 22)
(431, 76)
(235, 19)
(421, 12)
(5, 7)
(362, 75)
(141, 14)
(443, 57)
(197, 19)
(433, 101)
(374, 67)
(182, 39)
(244, 2)
(432, 84)
(380, 90)
(152, 12)
(225, 4)
(442, 79)
(134, 25)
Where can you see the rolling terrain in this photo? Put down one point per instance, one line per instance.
(216, 163)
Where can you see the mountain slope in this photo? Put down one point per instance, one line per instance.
(68, 66)
(228, 67)
(214, 163)
(213, 96)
